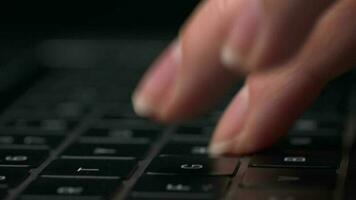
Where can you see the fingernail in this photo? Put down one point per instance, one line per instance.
(156, 82)
(141, 106)
(236, 146)
(242, 35)
(226, 136)
(217, 149)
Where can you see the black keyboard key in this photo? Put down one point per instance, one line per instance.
(314, 123)
(7, 140)
(109, 151)
(65, 109)
(123, 134)
(194, 131)
(128, 124)
(3, 193)
(12, 176)
(289, 178)
(178, 187)
(45, 141)
(322, 133)
(297, 159)
(89, 168)
(46, 188)
(71, 109)
(193, 166)
(22, 158)
(194, 149)
(310, 142)
(120, 113)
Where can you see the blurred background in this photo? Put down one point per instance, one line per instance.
(73, 27)
(57, 17)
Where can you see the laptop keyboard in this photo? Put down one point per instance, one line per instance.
(73, 135)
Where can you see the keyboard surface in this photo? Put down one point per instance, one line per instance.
(73, 135)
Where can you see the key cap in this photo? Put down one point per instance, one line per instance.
(128, 124)
(90, 168)
(11, 176)
(193, 130)
(178, 187)
(260, 194)
(197, 149)
(65, 109)
(310, 142)
(109, 151)
(119, 113)
(296, 159)
(321, 132)
(22, 158)
(193, 166)
(71, 109)
(123, 134)
(46, 188)
(289, 178)
(7, 139)
(313, 123)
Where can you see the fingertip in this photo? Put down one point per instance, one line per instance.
(219, 148)
(239, 145)
(141, 105)
(154, 88)
(233, 61)
(233, 120)
(229, 57)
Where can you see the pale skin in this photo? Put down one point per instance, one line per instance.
(288, 50)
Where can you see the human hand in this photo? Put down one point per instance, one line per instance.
(287, 49)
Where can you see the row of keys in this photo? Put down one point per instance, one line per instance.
(27, 141)
(272, 183)
(61, 110)
(123, 134)
(41, 124)
(308, 125)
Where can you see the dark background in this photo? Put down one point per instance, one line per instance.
(66, 17)
(25, 24)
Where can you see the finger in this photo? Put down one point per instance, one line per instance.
(200, 79)
(278, 34)
(275, 98)
(199, 46)
(158, 79)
